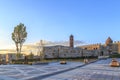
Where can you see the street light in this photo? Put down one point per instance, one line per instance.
(58, 54)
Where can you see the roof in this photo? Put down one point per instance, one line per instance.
(109, 41)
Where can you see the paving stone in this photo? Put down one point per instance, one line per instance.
(99, 70)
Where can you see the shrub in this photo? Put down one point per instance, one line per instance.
(115, 56)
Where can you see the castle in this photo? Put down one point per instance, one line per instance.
(70, 51)
(108, 48)
(60, 51)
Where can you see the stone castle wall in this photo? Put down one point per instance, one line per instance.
(67, 52)
(86, 50)
(115, 47)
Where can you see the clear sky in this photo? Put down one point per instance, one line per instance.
(91, 21)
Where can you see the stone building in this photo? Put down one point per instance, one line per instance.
(10, 57)
(104, 49)
(70, 51)
(60, 51)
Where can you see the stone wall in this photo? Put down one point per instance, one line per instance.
(67, 52)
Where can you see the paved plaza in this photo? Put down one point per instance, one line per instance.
(27, 72)
(99, 70)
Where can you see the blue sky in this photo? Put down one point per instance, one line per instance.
(91, 21)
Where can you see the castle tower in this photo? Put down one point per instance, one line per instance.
(71, 41)
(108, 44)
(109, 41)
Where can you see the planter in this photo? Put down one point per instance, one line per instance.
(114, 63)
(63, 62)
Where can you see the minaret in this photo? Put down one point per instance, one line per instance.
(71, 41)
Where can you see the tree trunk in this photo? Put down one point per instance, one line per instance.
(17, 51)
(20, 47)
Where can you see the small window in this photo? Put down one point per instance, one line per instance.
(85, 48)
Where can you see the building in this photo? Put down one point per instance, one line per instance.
(70, 51)
(42, 49)
(104, 49)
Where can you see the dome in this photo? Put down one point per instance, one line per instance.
(109, 41)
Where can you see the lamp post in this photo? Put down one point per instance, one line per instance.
(86, 60)
(58, 53)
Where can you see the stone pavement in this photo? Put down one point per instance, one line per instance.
(99, 70)
(28, 72)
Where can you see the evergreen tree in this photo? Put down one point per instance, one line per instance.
(18, 36)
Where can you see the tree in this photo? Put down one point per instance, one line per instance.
(31, 55)
(18, 36)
